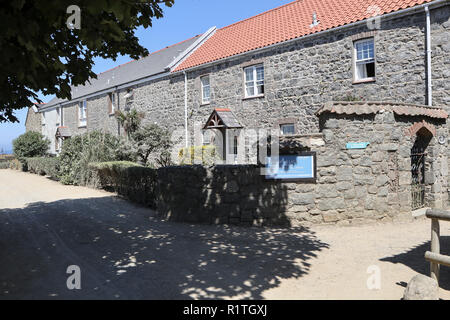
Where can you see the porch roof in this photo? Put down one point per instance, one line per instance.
(222, 118)
(63, 132)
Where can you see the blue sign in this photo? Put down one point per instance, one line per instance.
(357, 145)
(291, 167)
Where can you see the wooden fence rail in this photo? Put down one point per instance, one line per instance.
(434, 256)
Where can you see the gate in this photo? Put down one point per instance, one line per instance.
(418, 177)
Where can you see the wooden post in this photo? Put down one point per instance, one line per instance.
(435, 248)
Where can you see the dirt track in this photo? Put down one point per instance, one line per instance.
(124, 252)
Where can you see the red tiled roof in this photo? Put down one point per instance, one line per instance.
(374, 107)
(287, 22)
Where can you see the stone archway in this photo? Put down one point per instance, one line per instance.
(420, 165)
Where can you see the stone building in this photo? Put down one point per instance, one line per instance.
(279, 71)
(33, 120)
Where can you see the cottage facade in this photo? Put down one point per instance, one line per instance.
(277, 71)
(296, 76)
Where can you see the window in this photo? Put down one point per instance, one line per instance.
(43, 119)
(111, 103)
(82, 108)
(206, 90)
(235, 145)
(364, 51)
(287, 129)
(254, 81)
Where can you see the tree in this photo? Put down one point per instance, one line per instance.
(130, 121)
(30, 144)
(152, 139)
(39, 52)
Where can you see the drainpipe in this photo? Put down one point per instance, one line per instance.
(185, 109)
(429, 79)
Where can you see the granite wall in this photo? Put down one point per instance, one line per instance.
(352, 186)
(33, 121)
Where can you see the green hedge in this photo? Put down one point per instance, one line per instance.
(128, 179)
(44, 166)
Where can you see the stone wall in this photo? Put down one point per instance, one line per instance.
(99, 117)
(352, 185)
(33, 121)
(70, 115)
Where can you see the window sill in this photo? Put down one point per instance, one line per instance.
(112, 114)
(368, 80)
(253, 97)
(82, 126)
(205, 104)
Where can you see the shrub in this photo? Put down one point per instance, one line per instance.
(30, 144)
(128, 179)
(44, 166)
(5, 160)
(206, 155)
(17, 165)
(78, 151)
(152, 142)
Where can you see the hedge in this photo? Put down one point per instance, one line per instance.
(128, 179)
(44, 166)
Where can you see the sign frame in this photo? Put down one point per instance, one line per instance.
(313, 179)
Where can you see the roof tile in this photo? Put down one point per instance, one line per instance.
(287, 22)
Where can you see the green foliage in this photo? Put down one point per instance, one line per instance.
(78, 151)
(130, 121)
(40, 53)
(4, 164)
(128, 179)
(205, 155)
(44, 166)
(152, 140)
(30, 144)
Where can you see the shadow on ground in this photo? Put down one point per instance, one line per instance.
(125, 252)
(415, 259)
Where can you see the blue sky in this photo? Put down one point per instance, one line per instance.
(185, 19)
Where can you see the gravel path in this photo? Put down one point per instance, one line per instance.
(125, 252)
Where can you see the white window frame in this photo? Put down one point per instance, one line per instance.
(43, 121)
(112, 98)
(208, 100)
(82, 113)
(363, 61)
(255, 82)
(286, 124)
